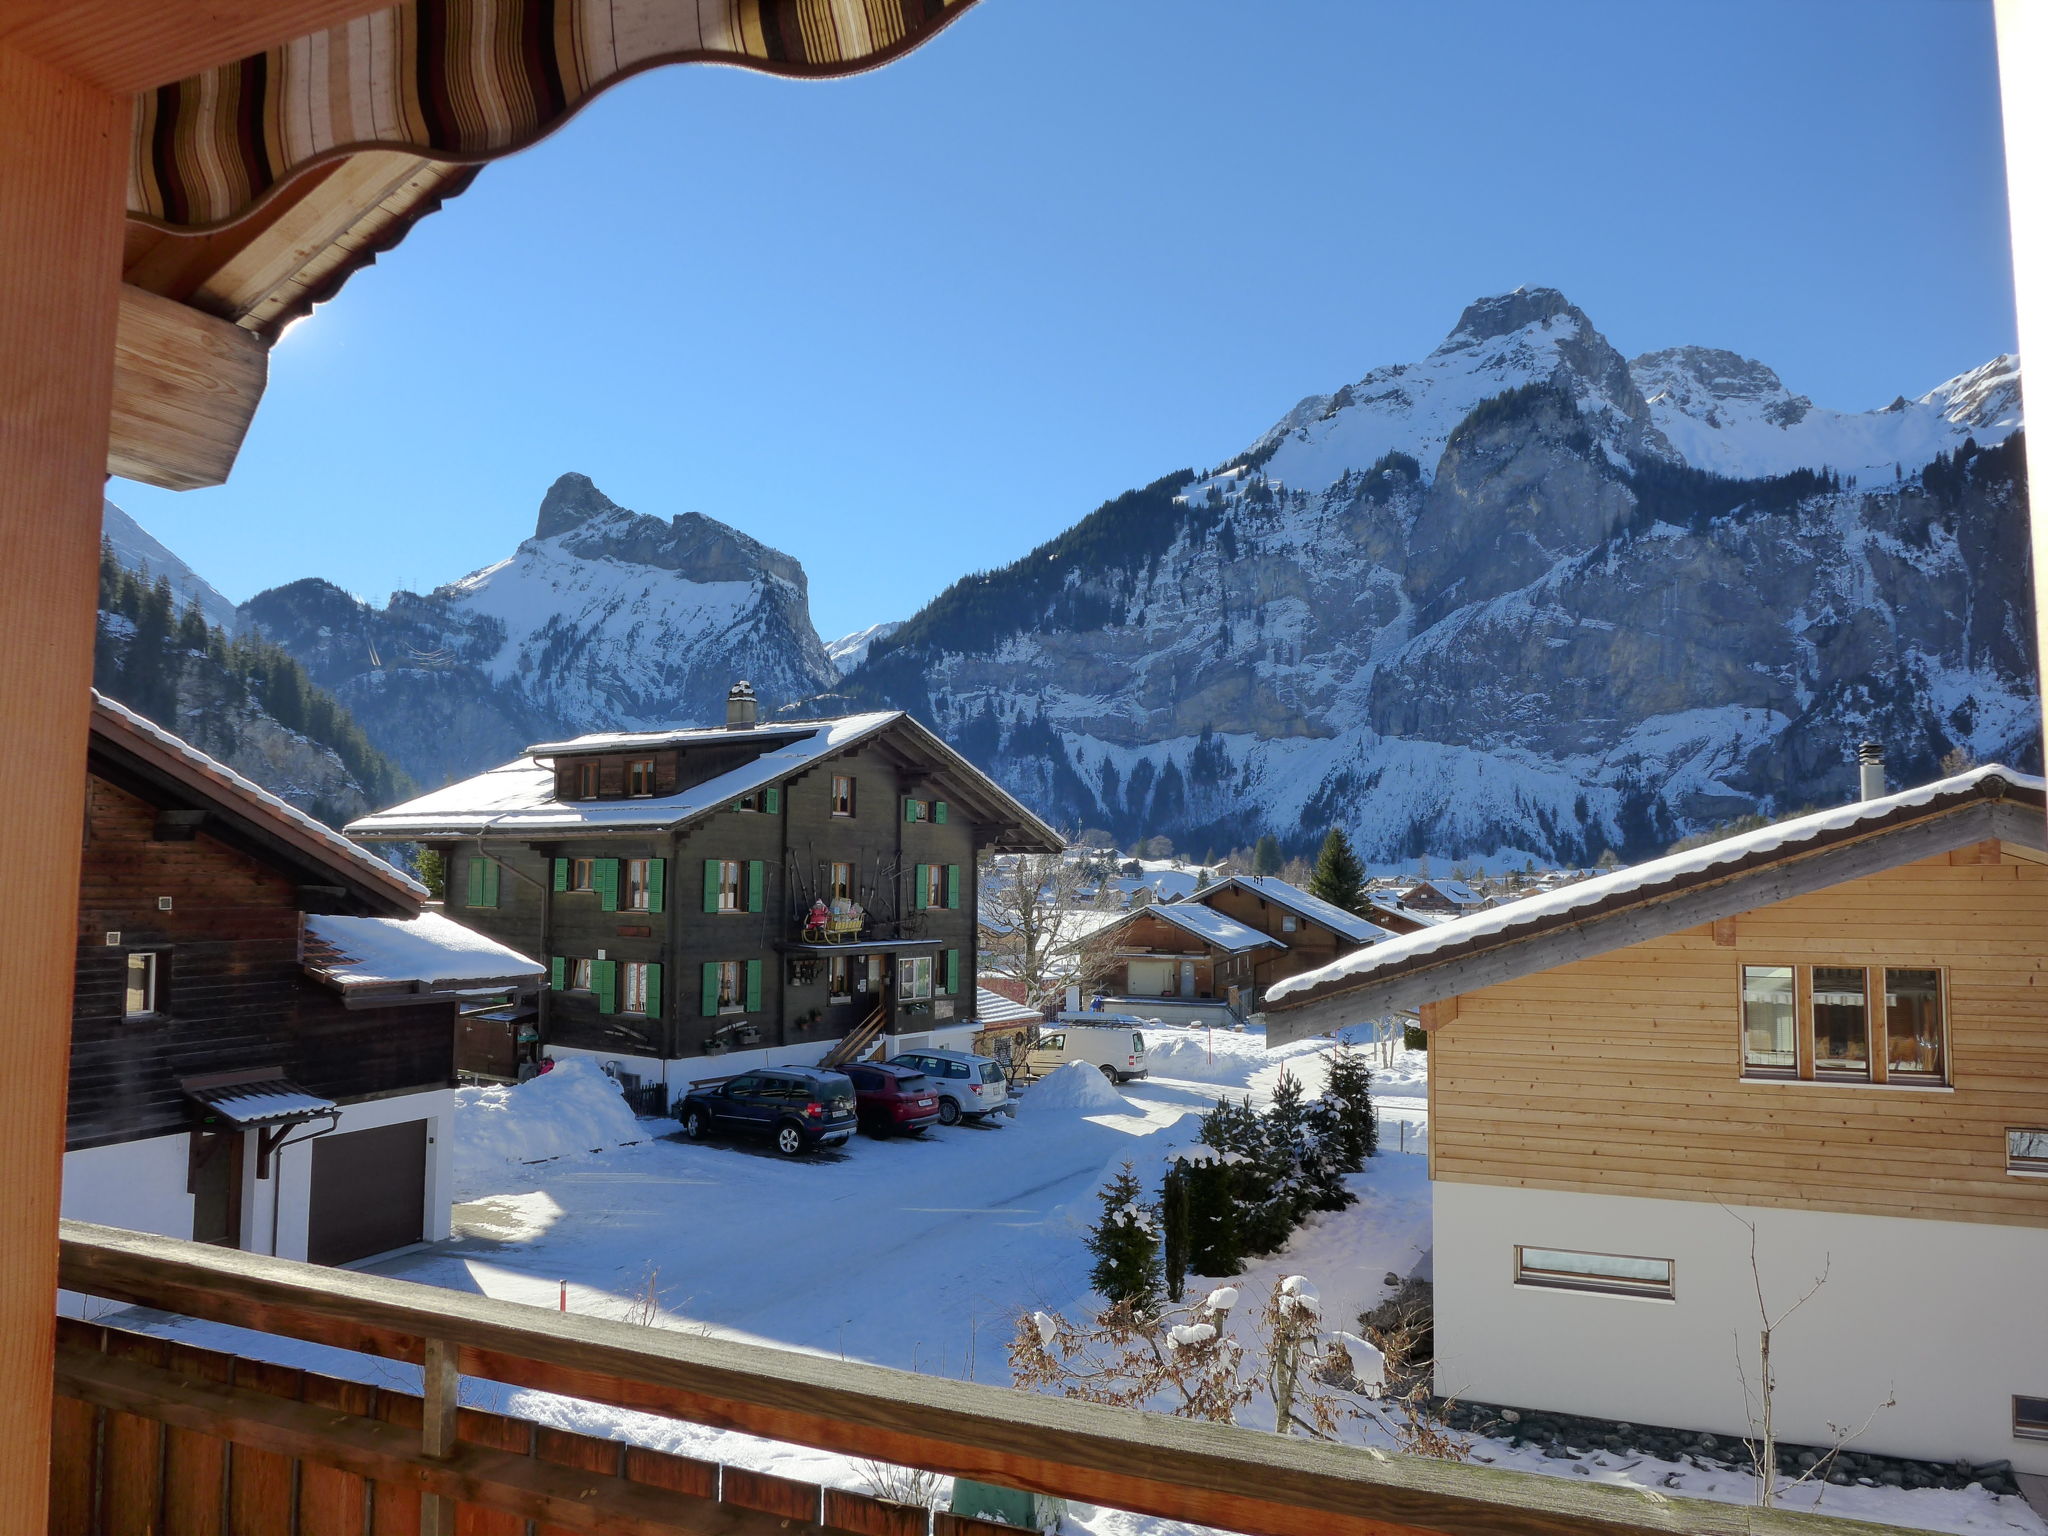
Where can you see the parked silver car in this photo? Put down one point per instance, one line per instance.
(970, 1087)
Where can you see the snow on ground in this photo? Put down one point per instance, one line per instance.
(572, 1110)
(922, 1252)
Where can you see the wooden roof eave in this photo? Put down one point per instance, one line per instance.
(1493, 958)
(141, 766)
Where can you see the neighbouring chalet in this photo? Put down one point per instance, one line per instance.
(1313, 932)
(1221, 948)
(713, 898)
(264, 1016)
(1452, 898)
(1832, 1032)
(1003, 1025)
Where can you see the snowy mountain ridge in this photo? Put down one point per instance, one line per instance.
(605, 619)
(1521, 598)
(849, 651)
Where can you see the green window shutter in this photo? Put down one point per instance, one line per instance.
(952, 982)
(909, 809)
(753, 986)
(920, 886)
(654, 991)
(561, 874)
(771, 801)
(952, 886)
(738, 805)
(606, 877)
(757, 884)
(710, 998)
(558, 973)
(473, 890)
(711, 872)
(604, 981)
(493, 882)
(939, 812)
(657, 884)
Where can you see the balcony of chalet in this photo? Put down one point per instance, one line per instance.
(154, 1434)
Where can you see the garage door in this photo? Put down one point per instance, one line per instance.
(1152, 978)
(369, 1192)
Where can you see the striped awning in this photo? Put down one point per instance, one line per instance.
(466, 81)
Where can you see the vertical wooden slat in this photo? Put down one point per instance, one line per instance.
(438, 1431)
(74, 1467)
(261, 1483)
(863, 1516)
(196, 1465)
(677, 1474)
(586, 1453)
(63, 161)
(500, 1434)
(132, 1453)
(334, 1503)
(395, 1511)
(772, 1495)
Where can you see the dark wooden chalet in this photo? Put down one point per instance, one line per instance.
(263, 1022)
(1179, 952)
(1311, 932)
(789, 890)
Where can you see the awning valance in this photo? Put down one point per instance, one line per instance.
(466, 81)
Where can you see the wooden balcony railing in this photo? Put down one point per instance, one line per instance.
(158, 1436)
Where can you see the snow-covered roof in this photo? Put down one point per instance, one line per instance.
(264, 1102)
(1300, 902)
(1207, 924)
(1643, 882)
(519, 797)
(1456, 892)
(429, 950)
(670, 736)
(222, 779)
(994, 1008)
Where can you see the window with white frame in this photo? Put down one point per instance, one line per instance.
(637, 886)
(633, 986)
(1613, 1274)
(2029, 1418)
(1845, 1024)
(143, 983)
(2026, 1150)
(732, 986)
(732, 891)
(842, 795)
(580, 975)
(914, 978)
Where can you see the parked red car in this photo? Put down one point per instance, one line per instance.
(891, 1099)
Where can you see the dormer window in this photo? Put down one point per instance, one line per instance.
(586, 781)
(640, 776)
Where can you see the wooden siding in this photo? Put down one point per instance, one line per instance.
(1310, 944)
(1621, 1074)
(234, 996)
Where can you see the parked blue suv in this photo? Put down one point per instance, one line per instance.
(800, 1107)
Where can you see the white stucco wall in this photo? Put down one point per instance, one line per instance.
(139, 1185)
(1949, 1317)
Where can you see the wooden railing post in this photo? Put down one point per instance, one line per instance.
(441, 1385)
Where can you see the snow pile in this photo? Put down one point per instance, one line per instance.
(1204, 1056)
(1077, 1085)
(573, 1109)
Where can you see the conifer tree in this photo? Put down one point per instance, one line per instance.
(1287, 1155)
(1339, 877)
(1173, 1212)
(1266, 858)
(432, 869)
(1125, 1242)
(1352, 1130)
(1215, 1235)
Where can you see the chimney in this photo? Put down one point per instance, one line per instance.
(740, 709)
(1870, 770)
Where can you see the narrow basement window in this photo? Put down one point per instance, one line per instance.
(2030, 1418)
(1613, 1274)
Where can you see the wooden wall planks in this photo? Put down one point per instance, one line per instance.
(1621, 1072)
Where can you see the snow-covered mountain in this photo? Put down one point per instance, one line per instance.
(849, 651)
(1523, 597)
(605, 619)
(139, 552)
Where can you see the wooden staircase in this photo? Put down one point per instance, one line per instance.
(857, 1040)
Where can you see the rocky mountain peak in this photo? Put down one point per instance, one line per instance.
(571, 501)
(1505, 313)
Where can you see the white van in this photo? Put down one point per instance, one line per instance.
(1111, 1041)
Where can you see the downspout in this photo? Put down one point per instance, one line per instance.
(276, 1162)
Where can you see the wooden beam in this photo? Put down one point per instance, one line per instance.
(1512, 958)
(1211, 1474)
(120, 47)
(185, 387)
(63, 164)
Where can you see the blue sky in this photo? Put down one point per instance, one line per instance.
(911, 324)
